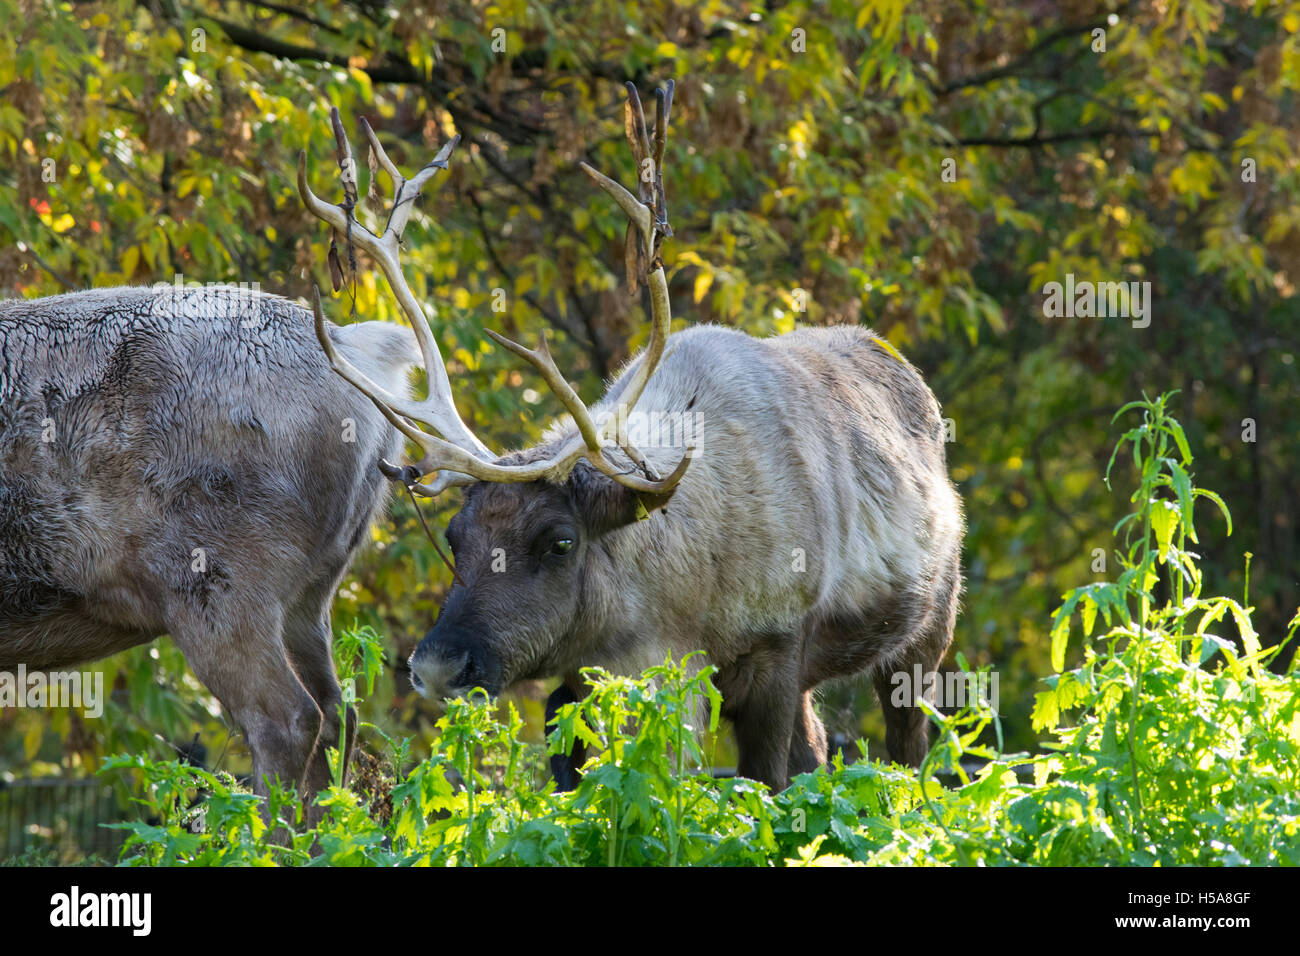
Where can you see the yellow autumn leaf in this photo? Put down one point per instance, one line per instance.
(130, 259)
(32, 738)
(702, 282)
(888, 347)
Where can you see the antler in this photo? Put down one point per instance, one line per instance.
(437, 410)
(455, 453)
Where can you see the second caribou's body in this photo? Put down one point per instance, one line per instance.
(815, 535)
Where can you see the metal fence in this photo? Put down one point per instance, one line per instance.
(59, 815)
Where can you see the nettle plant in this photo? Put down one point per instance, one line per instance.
(1168, 743)
(1184, 747)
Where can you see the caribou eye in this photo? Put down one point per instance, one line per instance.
(562, 546)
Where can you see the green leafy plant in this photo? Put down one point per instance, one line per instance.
(1169, 742)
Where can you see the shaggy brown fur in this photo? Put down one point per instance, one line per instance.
(185, 462)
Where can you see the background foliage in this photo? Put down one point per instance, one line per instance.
(807, 152)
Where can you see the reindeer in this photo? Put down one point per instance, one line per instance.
(805, 531)
(182, 461)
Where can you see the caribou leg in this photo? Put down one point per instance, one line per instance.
(244, 662)
(761, 697)
(564, 767)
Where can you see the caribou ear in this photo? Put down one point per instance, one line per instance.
(604, 505)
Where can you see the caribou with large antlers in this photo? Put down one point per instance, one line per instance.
(813, 532)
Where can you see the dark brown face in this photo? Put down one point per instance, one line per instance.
(521, 551)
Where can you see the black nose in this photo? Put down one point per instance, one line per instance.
(464, 654)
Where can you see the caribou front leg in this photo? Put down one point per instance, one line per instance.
(760, 696)
(565, 768)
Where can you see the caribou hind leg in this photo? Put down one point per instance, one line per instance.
(808, 742)
(907, 729)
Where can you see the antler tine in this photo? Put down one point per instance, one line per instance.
(591, 438)
(640, 213)
(381, 154)
(329, 212)
(558, 467)
(661, 324)
(377, 393)
(405, 193)
(663, 109)
(449, 455)
(540, 358)
(663, 106)
(404, 197)
(632, 207)
(653, 226)
(335, 216)
(637, 138)
(343, 153)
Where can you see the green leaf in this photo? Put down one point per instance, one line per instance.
(1203, 493)
(1164, 519)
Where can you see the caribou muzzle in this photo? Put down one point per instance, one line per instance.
(452, 660)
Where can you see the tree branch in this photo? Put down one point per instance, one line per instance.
(295, 13)
(1049, 40)
(392, 69)
(1030, 142)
